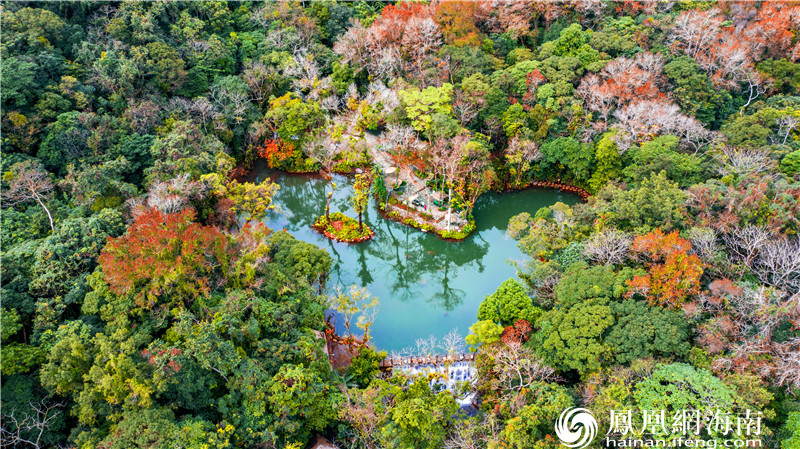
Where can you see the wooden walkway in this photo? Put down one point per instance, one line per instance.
(391, 362)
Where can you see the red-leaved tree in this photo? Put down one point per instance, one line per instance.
(164, 259)
(673, 275)
(276, 152)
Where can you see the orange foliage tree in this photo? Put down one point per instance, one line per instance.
(164, 259)
(276, 152)
(673, 275)
(519, 333)
(457, 21)
(392, 23)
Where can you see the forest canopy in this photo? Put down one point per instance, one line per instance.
(145, 304)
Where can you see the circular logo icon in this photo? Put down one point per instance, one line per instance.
(576, 427)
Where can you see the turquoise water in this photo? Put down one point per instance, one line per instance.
(426, 286)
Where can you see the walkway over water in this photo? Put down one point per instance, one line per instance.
(392, 362)
(448, 372)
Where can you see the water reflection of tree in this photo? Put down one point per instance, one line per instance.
(364, 273)
(448, 298)
(304, 198)
(466, 255)
(393, 250)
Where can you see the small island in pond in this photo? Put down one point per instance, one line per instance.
(342, 228)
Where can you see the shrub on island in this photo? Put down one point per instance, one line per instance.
(342, 228)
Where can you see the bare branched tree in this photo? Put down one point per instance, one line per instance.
(778, 264)
(695, 30)
(757, 84)
(260, 79)
(402, 138)
(29, 181)
(786, 124)
(453, 343)
(464, 109)
(641, 120)
(743, 243)
(609, 246)
(28, 429)
(421, 38)
(745, 161)
(428, 347)
(517, 367)
(471, 434)
(705, 245)
(170, 196)
(787, 368)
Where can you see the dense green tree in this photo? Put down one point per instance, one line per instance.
(152, 427)
(28, 30)
(641, 331)
(421, 105)
(484, 332)
(785, 74)
(70, 357)
(467, 61)
(614, 41)
(677, 387)
(365, 366)
(291, 118)
(18, 85)
(581, 282)
(695, 93)
(792, 431)
(65, 141)
(165, 65)
(571, 338)
(566, 156)
(17, 357)
(752, 130)
(301, 402)
(609, 162)
(790, 164)
(508, 304)
(338, 20)
(136, 151)
(656, 202)
(420, 417)
(514, 119)
(662, 154)
(302, 259)
(574, 42)
(184, 149)
(99, 186)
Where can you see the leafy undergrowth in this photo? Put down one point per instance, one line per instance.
(342, 228)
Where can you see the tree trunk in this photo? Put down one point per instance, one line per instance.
(328, 209)
(50, 217)
(360, 224)
(449, 207)
(328, 206)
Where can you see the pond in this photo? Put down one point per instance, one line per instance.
(426, 286)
